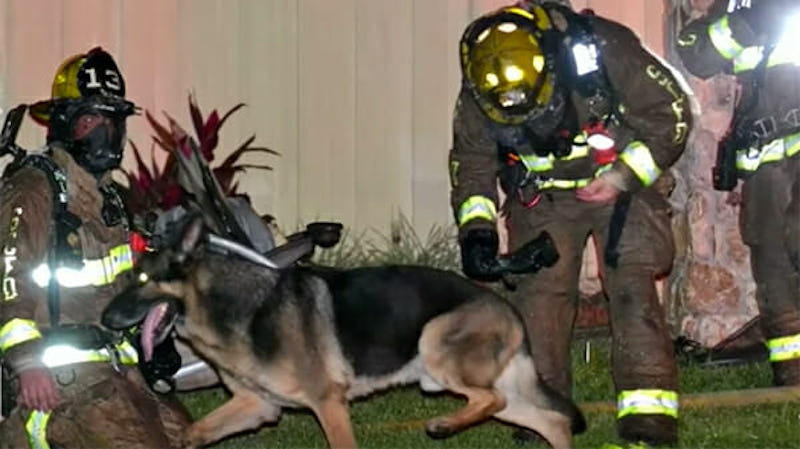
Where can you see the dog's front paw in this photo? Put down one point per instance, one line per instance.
(439, 428)
(185, 443)
(192, 438)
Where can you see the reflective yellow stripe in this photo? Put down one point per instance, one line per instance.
(638, 157)
(476, 207)
(536, 163)
(750, 159)
(722, 39)
(17, 331)
(563, 183)
(628, 445)
(792, 144)
(95, 272)
(578, 151)
(603, 168)
(784, 348)
(540, 164)
(60, 355)
(748, 59)
(784, 53)
(36, 427)
(647, 402)
(127, 353)
(550, 183)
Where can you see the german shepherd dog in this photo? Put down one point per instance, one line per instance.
(317, 338)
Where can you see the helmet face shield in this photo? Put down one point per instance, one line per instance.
(506, 67)
(92, 129)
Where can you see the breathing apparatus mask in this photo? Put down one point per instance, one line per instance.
(87, 111)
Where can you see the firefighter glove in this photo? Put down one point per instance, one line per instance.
(531, 257)
(479, 255)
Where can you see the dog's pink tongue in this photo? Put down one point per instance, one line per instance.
(151, 322)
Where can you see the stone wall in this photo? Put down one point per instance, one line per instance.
(711, 291)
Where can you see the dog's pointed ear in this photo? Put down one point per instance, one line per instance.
(192, 234)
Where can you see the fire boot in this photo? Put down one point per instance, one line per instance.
(656, 430)
(786, 373)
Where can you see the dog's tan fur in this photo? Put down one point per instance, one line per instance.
(475, 349)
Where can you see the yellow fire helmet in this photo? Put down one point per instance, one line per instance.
(93, 73)
(506, 65)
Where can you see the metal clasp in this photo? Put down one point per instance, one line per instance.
(113, 355)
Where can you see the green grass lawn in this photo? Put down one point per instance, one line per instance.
(395, 419)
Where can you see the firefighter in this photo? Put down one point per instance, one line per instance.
(577, 121)
(759, 46)
(66, 253)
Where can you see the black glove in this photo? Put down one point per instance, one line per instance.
(531, 257)
(479, 255)
(159, 371)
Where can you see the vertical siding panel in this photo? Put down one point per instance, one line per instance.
(209, 61)
(268, 83)
(326, 90)
(167, 85)
(480, 7)
(149, 62)
(383, 112)
(90, 22)
(4, 67)
(432, 106)
(459, 16)
(653, 27)
(34, 51)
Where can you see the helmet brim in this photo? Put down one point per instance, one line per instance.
(40, 112)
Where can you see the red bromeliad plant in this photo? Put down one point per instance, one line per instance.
(154, 188)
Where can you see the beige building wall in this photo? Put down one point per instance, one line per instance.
(356, 95)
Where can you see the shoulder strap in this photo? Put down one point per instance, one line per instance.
(56, 177)
(65, 222)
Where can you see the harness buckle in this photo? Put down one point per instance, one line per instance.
(113, 356)
(530, 187)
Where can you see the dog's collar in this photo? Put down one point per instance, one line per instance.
(229, 246)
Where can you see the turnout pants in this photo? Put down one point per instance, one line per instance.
(643, 364)
(100, 408)
(770, 225)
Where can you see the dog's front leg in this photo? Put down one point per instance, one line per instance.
(334, 417)
(244, 411)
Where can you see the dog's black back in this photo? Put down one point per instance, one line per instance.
(380, 311)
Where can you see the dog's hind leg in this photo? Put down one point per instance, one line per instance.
(465, 351)
(245, 410)
(333, 414)
(481, 404)
(553, 426)
(532, 404)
